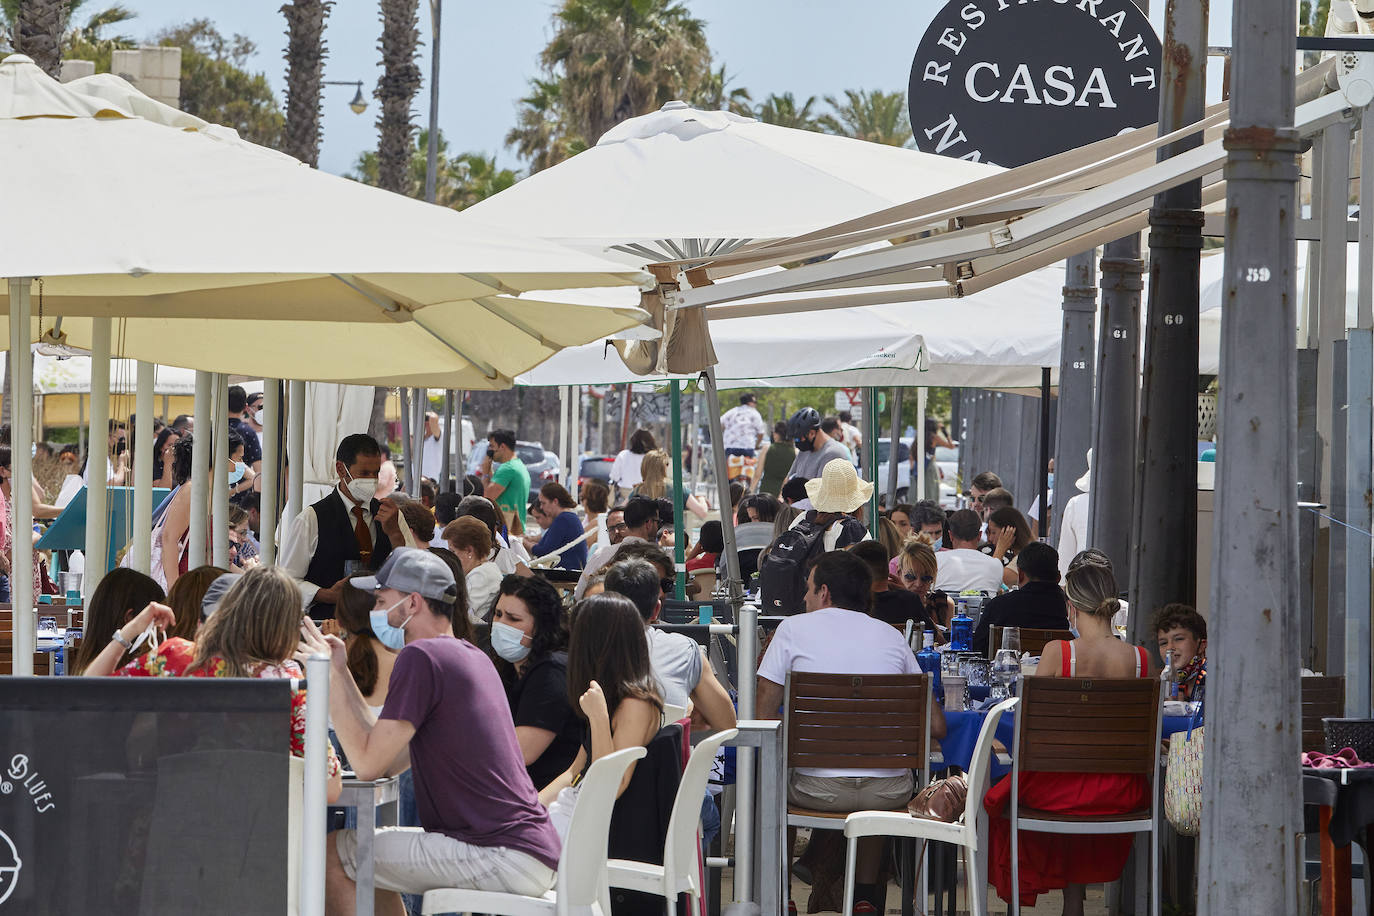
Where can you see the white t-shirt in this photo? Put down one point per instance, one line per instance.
(1073, 531)
(963, 568)
(483, 582)
(432, 457)
(833, 640)
(625, 470)
(675, 662)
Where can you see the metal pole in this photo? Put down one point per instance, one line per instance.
(460, 472)
(748, 617)
(142, 544)
(870, 454)
(407, 444)
(680, 496)
(202, 446)
(565, 438)
(21, 472)
(269, 504)
(436, 8)
(1359, 467)
(894, 439)
(916, 489)
(446, 467)
(696, 435)
(314, 795)
(1164, 550)
(575, 416)
(1251, 793)
(1329, 196)
(418, 430)
(295, 449)
(97, 492)
(1042, 476)
(1076, 370)
(219, 478)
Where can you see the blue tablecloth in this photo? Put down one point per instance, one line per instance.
(962, 728)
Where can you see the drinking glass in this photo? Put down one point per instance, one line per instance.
(1005, 669)
(1011, 639)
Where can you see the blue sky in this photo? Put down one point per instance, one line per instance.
(489, 51)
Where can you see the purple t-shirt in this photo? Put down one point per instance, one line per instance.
(470, 777)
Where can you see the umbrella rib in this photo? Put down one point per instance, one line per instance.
(386, 305)
(486, 368)
(488, 303)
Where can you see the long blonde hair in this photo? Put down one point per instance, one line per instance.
(258, 622)
(1092, 590)
(654, 471)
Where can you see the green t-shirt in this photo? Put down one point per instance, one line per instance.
(516, 496)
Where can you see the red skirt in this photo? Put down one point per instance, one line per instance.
(1050, 861)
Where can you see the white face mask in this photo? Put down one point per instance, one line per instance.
(258, 417)
(363, 490)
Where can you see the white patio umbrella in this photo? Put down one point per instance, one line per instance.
(683, 182)
(220, 255)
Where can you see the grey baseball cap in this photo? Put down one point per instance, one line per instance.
(216, 592)
(409, 569)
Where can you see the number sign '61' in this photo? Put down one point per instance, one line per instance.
(1013, 81)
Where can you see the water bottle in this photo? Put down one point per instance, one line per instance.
(961, 628)
(928, 658)
(1167, 679)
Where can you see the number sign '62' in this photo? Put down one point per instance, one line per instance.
(1013, 81)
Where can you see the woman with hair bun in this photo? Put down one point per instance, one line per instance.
(1071, 861)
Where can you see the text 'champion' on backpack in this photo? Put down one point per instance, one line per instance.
(782, 571)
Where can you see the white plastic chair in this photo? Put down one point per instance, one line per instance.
(581, 884)
(970, 832)
(678, 873)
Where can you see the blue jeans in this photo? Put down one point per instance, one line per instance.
(710, 820)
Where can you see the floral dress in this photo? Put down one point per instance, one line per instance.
(173, 657)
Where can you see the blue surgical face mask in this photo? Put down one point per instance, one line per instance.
(1073, 627)
(391, 637)
(237, 473)
(1049, 480)
(507, 641)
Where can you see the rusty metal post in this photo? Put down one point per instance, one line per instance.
(1251, 791)
(1164, 567)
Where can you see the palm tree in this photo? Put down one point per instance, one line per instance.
(396, 90)
(541, 135)
(712, 95)
(782, 110)
(36, 28)
(304, 68)
(876, 116)
(460, 181)
(621, 58)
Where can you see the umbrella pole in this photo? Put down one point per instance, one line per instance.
(202, 441)
(680, 497)
(1042, 476)
(460, 472)
(575, 447)
(97, 494)
(419, 431)
(870, 455)
(446, 467)
(747, 616)
(219, 479)
(143, 468)
(21, 435)
(271, 470)
(295, 450)
(896, 437)
(407, 458)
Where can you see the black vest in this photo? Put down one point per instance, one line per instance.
(337, 544)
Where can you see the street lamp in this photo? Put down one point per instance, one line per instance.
(359, 104)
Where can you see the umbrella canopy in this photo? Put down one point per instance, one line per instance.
(220, 255)
(681, 182)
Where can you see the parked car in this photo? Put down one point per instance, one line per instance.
(595, 467)
(884, 451)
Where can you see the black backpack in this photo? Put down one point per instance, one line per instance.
(782, 571)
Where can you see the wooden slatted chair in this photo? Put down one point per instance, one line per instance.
(855, 721)
(1032, 639)
(1087, 725)
(1322, 697)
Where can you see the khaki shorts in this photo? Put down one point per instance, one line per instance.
(411, 860)
(844, 793)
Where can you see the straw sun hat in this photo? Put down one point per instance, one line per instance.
(838, 489)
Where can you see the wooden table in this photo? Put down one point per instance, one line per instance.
(377, 802)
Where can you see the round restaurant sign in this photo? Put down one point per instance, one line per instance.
(1013, 81)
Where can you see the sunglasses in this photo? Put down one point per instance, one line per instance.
(912, 577)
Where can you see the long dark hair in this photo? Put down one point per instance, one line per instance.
(162, 437)
(185, 596)
(119, 593)
(353, 612)
(608, 646)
